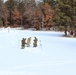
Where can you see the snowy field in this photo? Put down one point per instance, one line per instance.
(55, 55)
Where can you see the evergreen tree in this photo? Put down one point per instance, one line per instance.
(52, 3)
(65, 14)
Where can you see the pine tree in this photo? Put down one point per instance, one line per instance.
(65, 14)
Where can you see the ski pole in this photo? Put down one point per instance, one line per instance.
(40, 45)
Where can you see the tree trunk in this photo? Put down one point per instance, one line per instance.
(21, 22)
(3, 21)
(10, 19)
(42, 22)
(6, 20)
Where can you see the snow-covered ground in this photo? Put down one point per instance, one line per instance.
(55, 55)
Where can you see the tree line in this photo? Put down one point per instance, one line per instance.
(25, 13)
(59, 14)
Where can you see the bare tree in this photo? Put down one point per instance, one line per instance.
(47, 13)
(1, 13)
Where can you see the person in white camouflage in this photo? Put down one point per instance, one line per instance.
(28, 42)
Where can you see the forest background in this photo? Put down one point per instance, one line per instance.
(56, 14)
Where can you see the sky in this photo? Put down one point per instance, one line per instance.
(36, 0)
